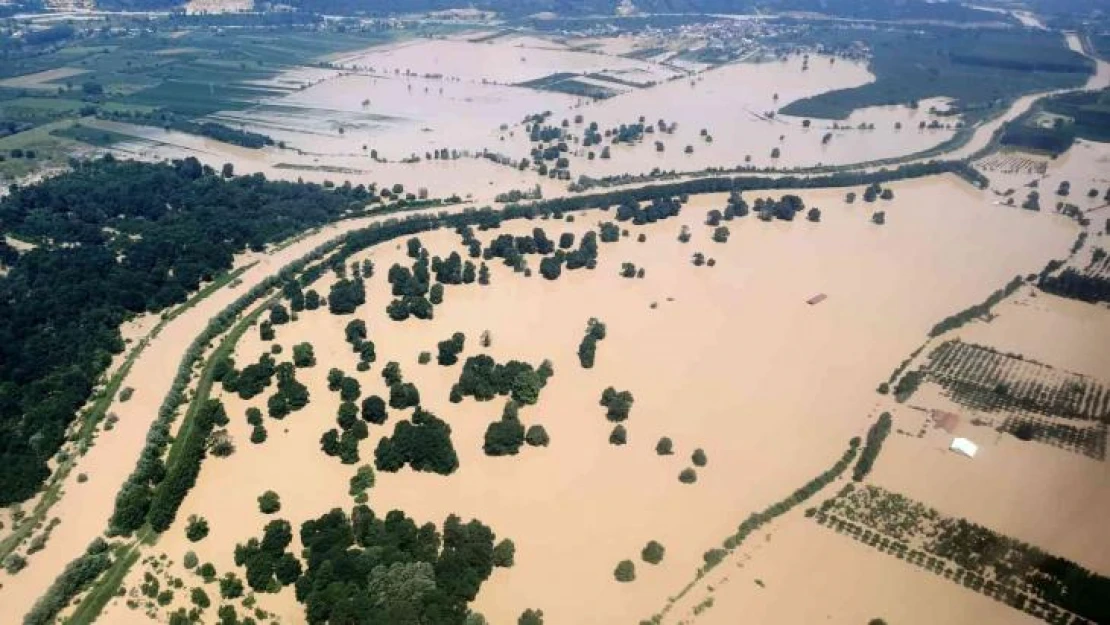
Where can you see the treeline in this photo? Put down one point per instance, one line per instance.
(1076, 285)
(116, 239)
(876, 434)
(212, 130)
(777, 509)
(978, 310)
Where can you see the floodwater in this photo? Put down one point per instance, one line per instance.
(411, 98)
(800, 383)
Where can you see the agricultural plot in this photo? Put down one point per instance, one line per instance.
(982, 378)
(1022, 576)
(1041, 403)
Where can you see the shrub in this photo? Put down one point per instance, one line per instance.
(196, 529)
(698, 458)
(424, 358)
(688, 476)
(653, 552)
(269, 502)
(625, 571)
(664, 447)
(619, 436)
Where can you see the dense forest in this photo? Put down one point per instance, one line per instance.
(114, 239)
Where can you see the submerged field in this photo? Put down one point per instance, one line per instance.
(801, 380)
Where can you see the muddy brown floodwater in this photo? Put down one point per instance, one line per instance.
(732, 360)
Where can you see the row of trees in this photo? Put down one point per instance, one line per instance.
(873, 444)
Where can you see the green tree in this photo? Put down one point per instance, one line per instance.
(196, 529)
(688, 476)
(303, 355)
(664, 447)
(231, 587)
(200, 598)
(625, 571)
(530, 617)
(536, 436)
(504, 553)
(190, 560)
(619, 436)
(653, 552)
(373, 410)
(698, 458)
(401, 591)
(269, 502)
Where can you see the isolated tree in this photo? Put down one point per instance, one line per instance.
(530, 617)
(625, 571)
(653, 552)
(698, 457)
(664, 447)
(619, 435)
(879, 218)
(536, 436)
(303, 355)
(269, 502)
(720, 234)
(814, 214)
(688, 476)
(196, 529)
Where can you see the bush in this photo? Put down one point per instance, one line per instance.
(197, 528)
(664, 447)
(698, 458)
(625, 571)
(269, 502)
(688, 476)
(619, 436)
(653, 552)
